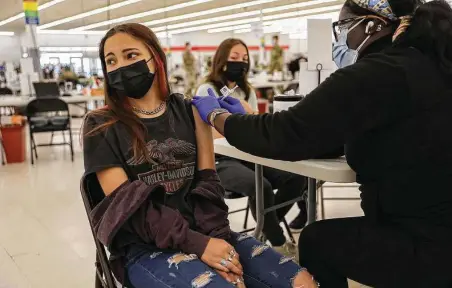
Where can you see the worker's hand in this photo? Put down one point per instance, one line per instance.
(232, 278)
(206, 104)
(221, 256)
(232, 104)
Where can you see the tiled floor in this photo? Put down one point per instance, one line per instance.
(45, 241)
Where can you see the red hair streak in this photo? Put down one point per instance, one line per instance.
(160, 73)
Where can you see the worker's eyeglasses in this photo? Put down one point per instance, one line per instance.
(341, 25)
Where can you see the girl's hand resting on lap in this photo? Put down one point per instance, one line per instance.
(221, 256)
(232, 278)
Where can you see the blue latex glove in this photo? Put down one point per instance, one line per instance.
(232, 104)
(206, 105)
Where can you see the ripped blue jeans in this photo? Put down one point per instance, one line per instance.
(262, 267)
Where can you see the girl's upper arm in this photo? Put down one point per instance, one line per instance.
(204, 141)
(111, 178)
(100, 158)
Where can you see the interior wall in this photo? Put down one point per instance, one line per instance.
(9, 46)
(9, 49)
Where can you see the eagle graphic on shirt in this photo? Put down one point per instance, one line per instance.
(172, 163)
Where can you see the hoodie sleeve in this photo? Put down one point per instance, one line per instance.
(210, 210)
(130, 207)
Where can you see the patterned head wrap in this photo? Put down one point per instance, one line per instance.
(379, 7)
(383, 8)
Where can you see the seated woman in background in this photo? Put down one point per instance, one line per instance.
(230, 68)
(164, 219)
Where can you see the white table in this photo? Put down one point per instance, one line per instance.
(332, 170)
(269, 84)
(22, 101)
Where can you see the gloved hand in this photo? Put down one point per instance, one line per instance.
(206, 105)
(232, 104)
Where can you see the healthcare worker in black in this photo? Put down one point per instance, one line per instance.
(391, 106)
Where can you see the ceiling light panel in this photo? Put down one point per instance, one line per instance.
(214, 19)
(230, 16)
(68, 49)
(69, 32)
(296, 5)
(229, 28)
(143, 14)
(6, 33)
(22, 15)
(241, 31)
(49, 4)
(217, 25)
(207, 12)
(303, 12)
(88, 14)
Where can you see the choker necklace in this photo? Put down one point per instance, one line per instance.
(152, 112)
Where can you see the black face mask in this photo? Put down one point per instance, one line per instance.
(236, 71)
(132, 81)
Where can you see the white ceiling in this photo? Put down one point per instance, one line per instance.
(155, 10)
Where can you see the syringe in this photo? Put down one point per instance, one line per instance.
(225, 91)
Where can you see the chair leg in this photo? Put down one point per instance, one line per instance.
(64, 137)
(2, 152)
(51, 139)
(286, 226)
(35, 147)
(31, 147)
(247, 213)
(322, 203)
(70, 144)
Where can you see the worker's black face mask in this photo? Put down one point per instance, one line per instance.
(132, 81)
(236, 71)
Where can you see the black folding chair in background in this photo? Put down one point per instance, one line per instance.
(2, 149)
(92, 195)
(6, 110)
(232, 196)
(48, 115)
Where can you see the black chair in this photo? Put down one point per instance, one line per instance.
(232, 195)
(48, 115)
(2, 149)
(92, 195)
(6, 91)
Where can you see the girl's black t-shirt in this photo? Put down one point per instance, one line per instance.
(171, 144)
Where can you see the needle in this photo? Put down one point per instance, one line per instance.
(226, 91)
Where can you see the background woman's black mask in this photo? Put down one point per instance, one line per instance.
(236, 71)
(132, 81)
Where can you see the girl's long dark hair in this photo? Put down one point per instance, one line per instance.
(430, 31)
(217, 76)
(117, 108)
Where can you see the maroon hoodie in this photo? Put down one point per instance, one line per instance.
(130, 215)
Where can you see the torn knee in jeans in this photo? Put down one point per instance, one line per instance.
(295, 281)
(286, 259)
(243, 236)
(178, 258)
(259, 249)
(202, 280)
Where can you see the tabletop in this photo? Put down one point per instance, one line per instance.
(259, 84)
(329, 170)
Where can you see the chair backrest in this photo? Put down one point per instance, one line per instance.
(92, 194)
(6, 91)
(46, 105)
(46, 89)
